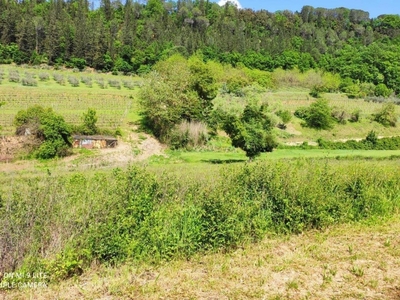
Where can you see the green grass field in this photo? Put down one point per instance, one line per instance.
(114, 105)
(214, 157)
(294, 98)
(117, 106)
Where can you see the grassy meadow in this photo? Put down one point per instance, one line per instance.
(69, 94)
(200, 224)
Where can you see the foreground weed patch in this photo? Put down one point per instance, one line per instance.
(73, 220)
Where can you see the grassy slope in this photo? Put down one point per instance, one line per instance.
(292, 99)
(67, 100)
(346, 262)
(354, 261)
(110, 103)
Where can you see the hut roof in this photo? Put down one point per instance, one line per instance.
(94, 137)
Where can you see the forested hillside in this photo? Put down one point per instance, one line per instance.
(130, 36)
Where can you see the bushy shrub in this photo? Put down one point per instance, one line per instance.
(339, 115)
(73, 81)
(302, 112)
(355, 116)
(48, 127)
(13, 76)
(129, 84)
(387, 116)
(29, 81)
(285, 116)
(236, 80)
(252, 131)
(367, 89)
(44, 76)
(353, 91)
(330, 82)
(381, 90)
(89, 122)
(316, 91)
(114, 83)
(59, 78)
(262, 78)
(101, 83)
(76, 63)
(345, 83)
(318, 115)
(203, 81)
(87, 81)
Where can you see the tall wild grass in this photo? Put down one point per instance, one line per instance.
(61, 225)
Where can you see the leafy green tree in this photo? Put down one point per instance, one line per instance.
(49, 128)
(166, 97)
(89, 122)
(252, 131)
(203, 81)
(382, 90)
(318, 115)
(387, 116)
(285, 116)
(177, 90)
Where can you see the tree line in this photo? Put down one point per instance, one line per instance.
(131, 37)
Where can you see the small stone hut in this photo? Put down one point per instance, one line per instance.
(94, 141)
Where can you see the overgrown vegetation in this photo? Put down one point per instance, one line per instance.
(49, 128)
(140, 216)
(252, 131)
(177, 90)
(371, 142)
(188, 135)
(318, 115)
(387, 115)
(89, 121)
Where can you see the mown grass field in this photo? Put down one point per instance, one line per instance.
(355, 261)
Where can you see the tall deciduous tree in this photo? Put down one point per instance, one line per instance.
(252, 131)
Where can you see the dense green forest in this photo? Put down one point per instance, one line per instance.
(132, 36)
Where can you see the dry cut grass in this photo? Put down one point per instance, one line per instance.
(345, 262)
